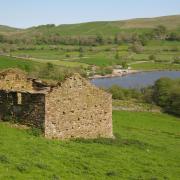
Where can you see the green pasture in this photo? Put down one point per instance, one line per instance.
(146, 146)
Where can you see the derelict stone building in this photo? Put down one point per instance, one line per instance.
(71, 109)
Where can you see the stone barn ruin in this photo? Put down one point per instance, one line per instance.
(71, 109)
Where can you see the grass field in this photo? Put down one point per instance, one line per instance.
(78, 44)
(105, 55)
(63, 63)
(45, 54)
(99, 61)
(146, 147)
(33, 65)
(9, 62)
(155, 66)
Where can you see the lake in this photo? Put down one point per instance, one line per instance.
(138, 80)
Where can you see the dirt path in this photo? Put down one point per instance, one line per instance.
(38, 59)
(139, 62)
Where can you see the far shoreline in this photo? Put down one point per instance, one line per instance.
(128, 72)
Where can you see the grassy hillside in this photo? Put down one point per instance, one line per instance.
(6, 29)
(170, 22)
(27, 65)
(164, 52)
(146, 147)
(112, 27)
(106, 28)
(98, 43)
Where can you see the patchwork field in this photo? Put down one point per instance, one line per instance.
(143, 44)
(155, 55)
(146, 147)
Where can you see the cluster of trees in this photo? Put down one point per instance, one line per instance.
(176, 60)
(124, 94)
(53, 72)
(48, 36)
(55, 39)
(164, 93)
(104, 70)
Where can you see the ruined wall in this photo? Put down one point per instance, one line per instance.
(77, 109)
(15, 80)
(74, 109)
(26, 108)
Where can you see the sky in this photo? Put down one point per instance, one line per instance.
(27, 13)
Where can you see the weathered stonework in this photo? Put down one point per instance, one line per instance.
(73, 109)
(30, 110)
(15, 80)
(76, 109)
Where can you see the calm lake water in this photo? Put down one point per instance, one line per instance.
(138, 80)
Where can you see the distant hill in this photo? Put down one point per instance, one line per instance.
(113, 27)
(6, 29)
(106, 28)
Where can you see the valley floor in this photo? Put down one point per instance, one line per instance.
(146, 147)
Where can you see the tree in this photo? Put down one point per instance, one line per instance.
(99, 39)
(152, 57)
(81, 50)
(124, 65)
(167, 95)
(49, 66)
(173, 105)
(160, 32)
(173, 36)
(144, 39)
(117, 55)
(176, 60)
(136, 47)
(117, 92)
(161, 91)
(135, 37)
(1, 38)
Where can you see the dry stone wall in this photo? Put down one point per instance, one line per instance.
(76, 109)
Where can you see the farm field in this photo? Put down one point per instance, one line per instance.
(127, 43)
(9, 62)
(146, 147)
(149, 66)
(164, 53)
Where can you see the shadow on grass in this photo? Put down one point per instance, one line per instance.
(4, 159)
(117, 141)
(35, 132)
(23, 167)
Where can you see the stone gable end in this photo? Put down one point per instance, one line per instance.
(77, 109)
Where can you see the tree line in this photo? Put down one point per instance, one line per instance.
(164, 93)
(54, 38)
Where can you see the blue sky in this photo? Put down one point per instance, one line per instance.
(26, 13)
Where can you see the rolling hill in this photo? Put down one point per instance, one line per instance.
(106, 28)
(7, 29)
(146, 147)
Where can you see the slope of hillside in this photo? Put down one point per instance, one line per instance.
(113, 27)
(170, 22)
(105, 28)
(146, 147)
(7, 29)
